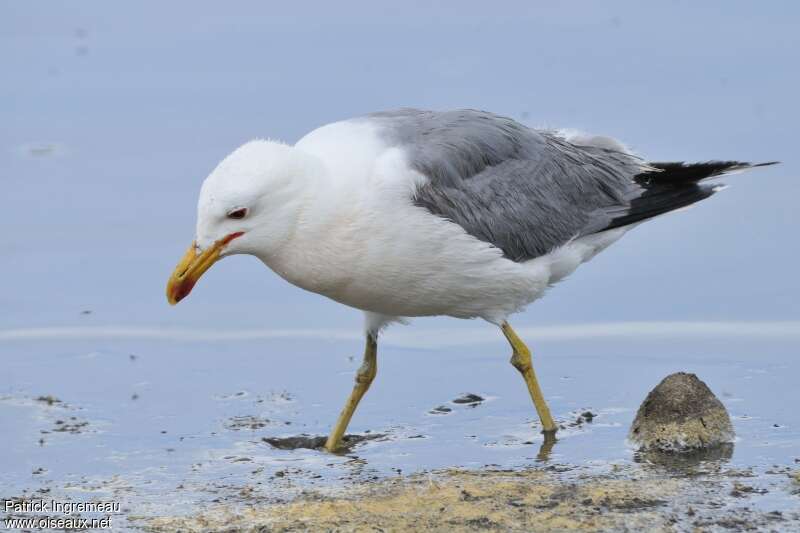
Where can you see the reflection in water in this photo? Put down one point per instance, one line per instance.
(547, 446)
(686, 463)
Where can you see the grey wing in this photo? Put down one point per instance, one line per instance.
(528, 192)
(528, 207)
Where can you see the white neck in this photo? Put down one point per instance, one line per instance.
(318, 242)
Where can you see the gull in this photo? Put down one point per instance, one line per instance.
(413, 213)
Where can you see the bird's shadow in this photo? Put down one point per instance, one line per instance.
(317, 442)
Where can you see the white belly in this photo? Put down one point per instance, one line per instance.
(363, 243)
(412, 264)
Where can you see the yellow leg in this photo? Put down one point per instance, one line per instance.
(364, 376)
(521, 359)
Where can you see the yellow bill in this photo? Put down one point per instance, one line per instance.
(193, 265)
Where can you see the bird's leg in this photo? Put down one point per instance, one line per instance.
(521, 359)
(364, 376)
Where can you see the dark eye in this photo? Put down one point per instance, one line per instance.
(237, 213)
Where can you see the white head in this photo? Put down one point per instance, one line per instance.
(249, 204)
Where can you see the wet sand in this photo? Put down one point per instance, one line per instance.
(526, 500)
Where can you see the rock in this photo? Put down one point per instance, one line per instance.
(469, 398)
(681, 415)
(49, 399)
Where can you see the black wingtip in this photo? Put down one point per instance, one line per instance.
(680, 172)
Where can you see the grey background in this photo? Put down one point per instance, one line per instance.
(138, 101)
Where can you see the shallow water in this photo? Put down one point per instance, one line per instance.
(149, 418)
(113, 115)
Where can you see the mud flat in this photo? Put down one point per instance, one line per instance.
(551, 499)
